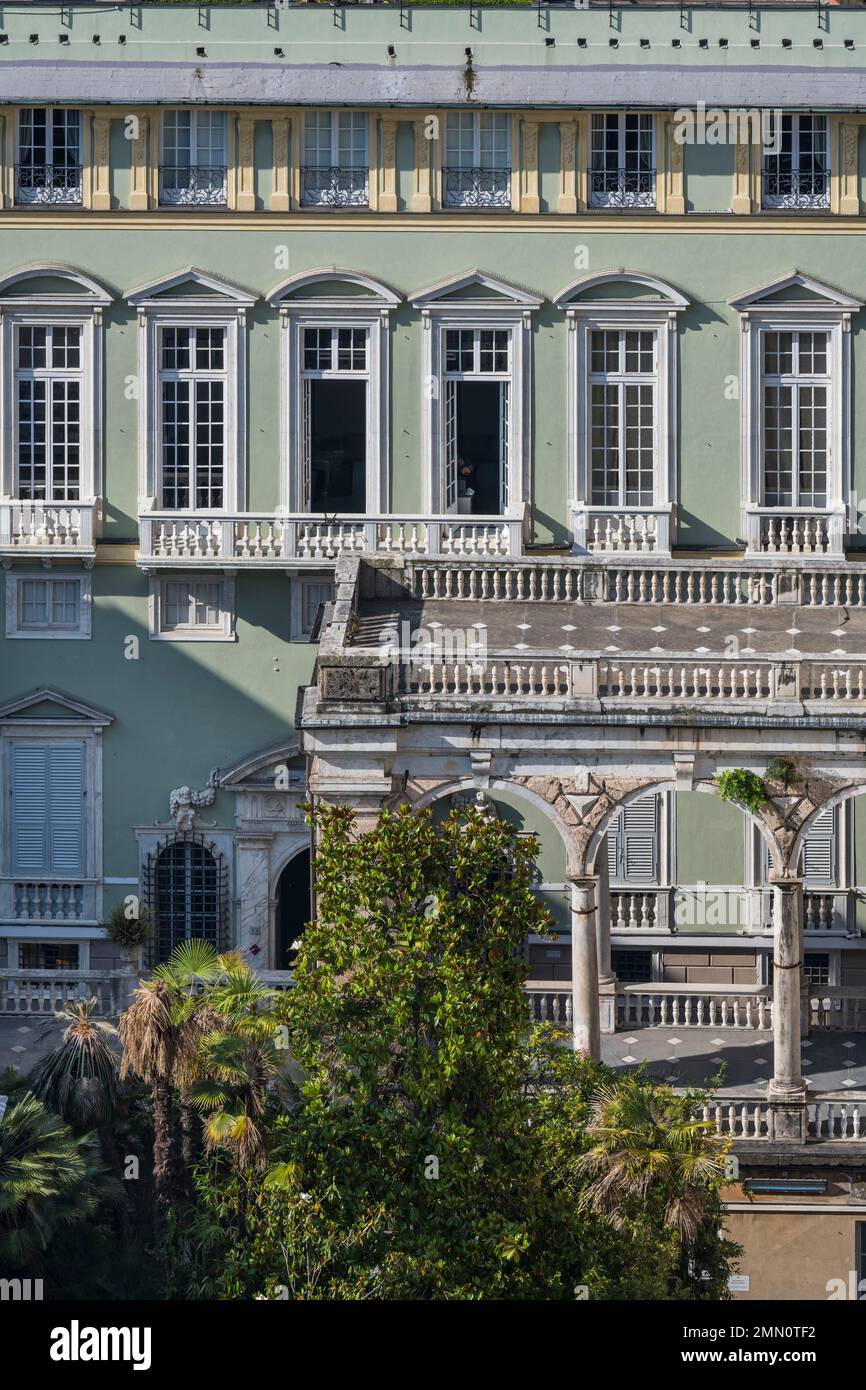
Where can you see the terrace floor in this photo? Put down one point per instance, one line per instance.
(567, 630)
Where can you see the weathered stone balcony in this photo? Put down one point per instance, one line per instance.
(622, 530)
(49, 901)
(29, 993)
(45, 529)
(795, 533)
(260, 540)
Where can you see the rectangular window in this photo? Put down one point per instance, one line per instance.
(47, 955)
(335, 171)
(477, 168)
(335, 387)
(308, 596)
(188, 609)
(622, 172)
(193, 378)
(49, 155)
(632, 967)
(194, 165)
(796, 170)
(819, 850)
(816, 968)
(476, 420)
(622, 386)
(796, 393)
(47, 809)
(48, 397)
(49, 604)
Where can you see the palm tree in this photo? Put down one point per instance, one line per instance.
(238, 1060)
(647, 1142)
(79, 1078)
(160, 1032)
(48, 1177)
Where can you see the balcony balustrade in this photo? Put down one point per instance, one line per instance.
(26, 993)
(45, 528)
(193, 185)
(693, 1006)
(48, 183)
(330, 186)
(795, 532)
(260, 540)
(622, 530)
(476, 188)
(49, 900)
(622, 188)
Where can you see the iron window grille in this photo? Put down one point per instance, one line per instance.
(49, 156)
(476, 187)
(797, 174)
(622, 164)
(187, 894)
(197, 185)
(335, 186)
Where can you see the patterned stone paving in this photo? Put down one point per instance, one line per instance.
(831, 1061)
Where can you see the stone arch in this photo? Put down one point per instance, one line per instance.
(504, 784)
(811, 809)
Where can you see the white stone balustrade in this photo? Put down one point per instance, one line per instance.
(260, 540)
(622, 530)
(693, 1006)
(550, 1002)
(29, 992)
(43, 528)
(795, 532)
(837, 1009)
(49, 900)
(641, 910)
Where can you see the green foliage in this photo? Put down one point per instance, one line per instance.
(742, 785)
(435, 1149)
(128, 933)
(782, 770)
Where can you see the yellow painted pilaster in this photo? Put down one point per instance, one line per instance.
(139, 171)
(672, 171)
(100, 190)
(529, 192)
(567, 166)
(388, 189)
(245, 193)
(844, 170)
(742, 200)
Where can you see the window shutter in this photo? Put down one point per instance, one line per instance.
(819, 850)
(640, 840)
(613, 847)
(30, 775)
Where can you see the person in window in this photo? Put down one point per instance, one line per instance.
(465, 477)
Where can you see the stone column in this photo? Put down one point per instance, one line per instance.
(584, 967)
(787, 1090)
(253, 893)
(606, 977)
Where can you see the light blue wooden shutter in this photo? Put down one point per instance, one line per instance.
(48, 809)
(30, 773)
(632, 842)
(819, 849)
(66, 809)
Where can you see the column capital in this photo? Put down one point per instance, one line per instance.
(785, 882)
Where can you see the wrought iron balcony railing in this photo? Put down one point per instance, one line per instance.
(788, 189)
(335, 187)
(476, 188)
(48, 183)
(622, 188)
(196, 185)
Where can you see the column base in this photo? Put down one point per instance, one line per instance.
(607, 1005)
(788, 1114)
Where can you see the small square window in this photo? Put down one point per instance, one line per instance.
(308, 595)
(47, 606)
(632, 967)
(194, 609)
(816, 968)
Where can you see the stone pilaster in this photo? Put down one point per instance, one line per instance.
(253, 892)
(388, 173)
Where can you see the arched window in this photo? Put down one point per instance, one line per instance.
(187, 893)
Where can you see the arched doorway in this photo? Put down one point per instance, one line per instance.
(293, 909)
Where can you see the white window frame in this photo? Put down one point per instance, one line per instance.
(789, 202)
(506, 307)
(81, 310)
(451, 156)
(585, 316)
(14, 626)
(622, 379)
(301, 307)
(220, 305)
(219, 202)
(225, 632)
(334, 113)
(301, 630)
(76, 201)
(783, 319)
(618, 200)
(453, 377)
(16, 726)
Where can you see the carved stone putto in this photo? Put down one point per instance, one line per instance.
(183, 802)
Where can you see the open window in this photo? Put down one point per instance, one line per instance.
(476, 372)
(335, 329)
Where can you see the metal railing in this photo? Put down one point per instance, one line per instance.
(48, 183)
(196, 185)
(335, 186)
(476, 188)
(622, 188)
(794, 189)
